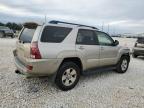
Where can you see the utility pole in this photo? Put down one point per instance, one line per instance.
(114, 30)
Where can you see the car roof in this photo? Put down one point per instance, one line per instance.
(61, 24)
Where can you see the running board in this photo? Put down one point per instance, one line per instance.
(95, 70)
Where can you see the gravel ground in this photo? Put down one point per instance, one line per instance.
(102, 90)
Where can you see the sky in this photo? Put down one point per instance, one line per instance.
(122, 16)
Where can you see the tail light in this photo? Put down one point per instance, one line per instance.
(34, 51)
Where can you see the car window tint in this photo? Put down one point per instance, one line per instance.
(54, 34)
(104, 39)
(86, 37)
(27, 35)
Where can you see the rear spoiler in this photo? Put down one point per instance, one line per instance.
(30, 25)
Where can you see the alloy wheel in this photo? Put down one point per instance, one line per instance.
(69, 77)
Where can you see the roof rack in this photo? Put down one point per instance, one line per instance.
(56, 22)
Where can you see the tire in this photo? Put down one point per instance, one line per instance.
(123, 64)
(135, 56)
(1, 34)
(67, 76)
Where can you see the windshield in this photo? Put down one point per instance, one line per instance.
(27, 35)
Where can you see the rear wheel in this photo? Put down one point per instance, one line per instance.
(1, 34)
(123, 64)
(68, 76)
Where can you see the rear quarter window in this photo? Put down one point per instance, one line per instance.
(54, 34)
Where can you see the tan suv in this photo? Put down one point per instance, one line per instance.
(67, 50)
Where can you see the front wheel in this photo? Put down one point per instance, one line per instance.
(123, 64)
(68, 76)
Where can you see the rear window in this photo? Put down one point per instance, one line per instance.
(27, 35)
(54, 34)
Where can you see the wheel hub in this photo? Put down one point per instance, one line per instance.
(69, 77)
(124, 64)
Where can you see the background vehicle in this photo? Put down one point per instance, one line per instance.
(6, 32)
(138, 49)
(67, 50)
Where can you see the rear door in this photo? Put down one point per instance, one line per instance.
(87, 47)
(24, 42)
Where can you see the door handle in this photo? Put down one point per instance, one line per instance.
(81, 48)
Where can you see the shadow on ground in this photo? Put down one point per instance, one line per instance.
(34, 85)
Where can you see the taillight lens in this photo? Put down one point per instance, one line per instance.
(35, 53)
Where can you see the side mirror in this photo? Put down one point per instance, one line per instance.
(116, 42)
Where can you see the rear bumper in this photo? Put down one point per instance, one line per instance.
(20, 67)
(138, 51)
(41, 67)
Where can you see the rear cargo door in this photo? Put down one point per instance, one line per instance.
(24, 42)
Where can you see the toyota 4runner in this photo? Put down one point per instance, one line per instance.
(67, 50)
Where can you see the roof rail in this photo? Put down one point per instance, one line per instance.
(56, 22)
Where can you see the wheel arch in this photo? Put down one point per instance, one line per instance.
(125, 54)
(75, 60)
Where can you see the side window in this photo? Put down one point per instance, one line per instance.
(104, 39)
(54, 34)
(86, 37)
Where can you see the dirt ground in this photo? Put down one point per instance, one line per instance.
(101, 90)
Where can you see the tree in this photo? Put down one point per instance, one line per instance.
(1, 24)
(9, 25)
(14, 26)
